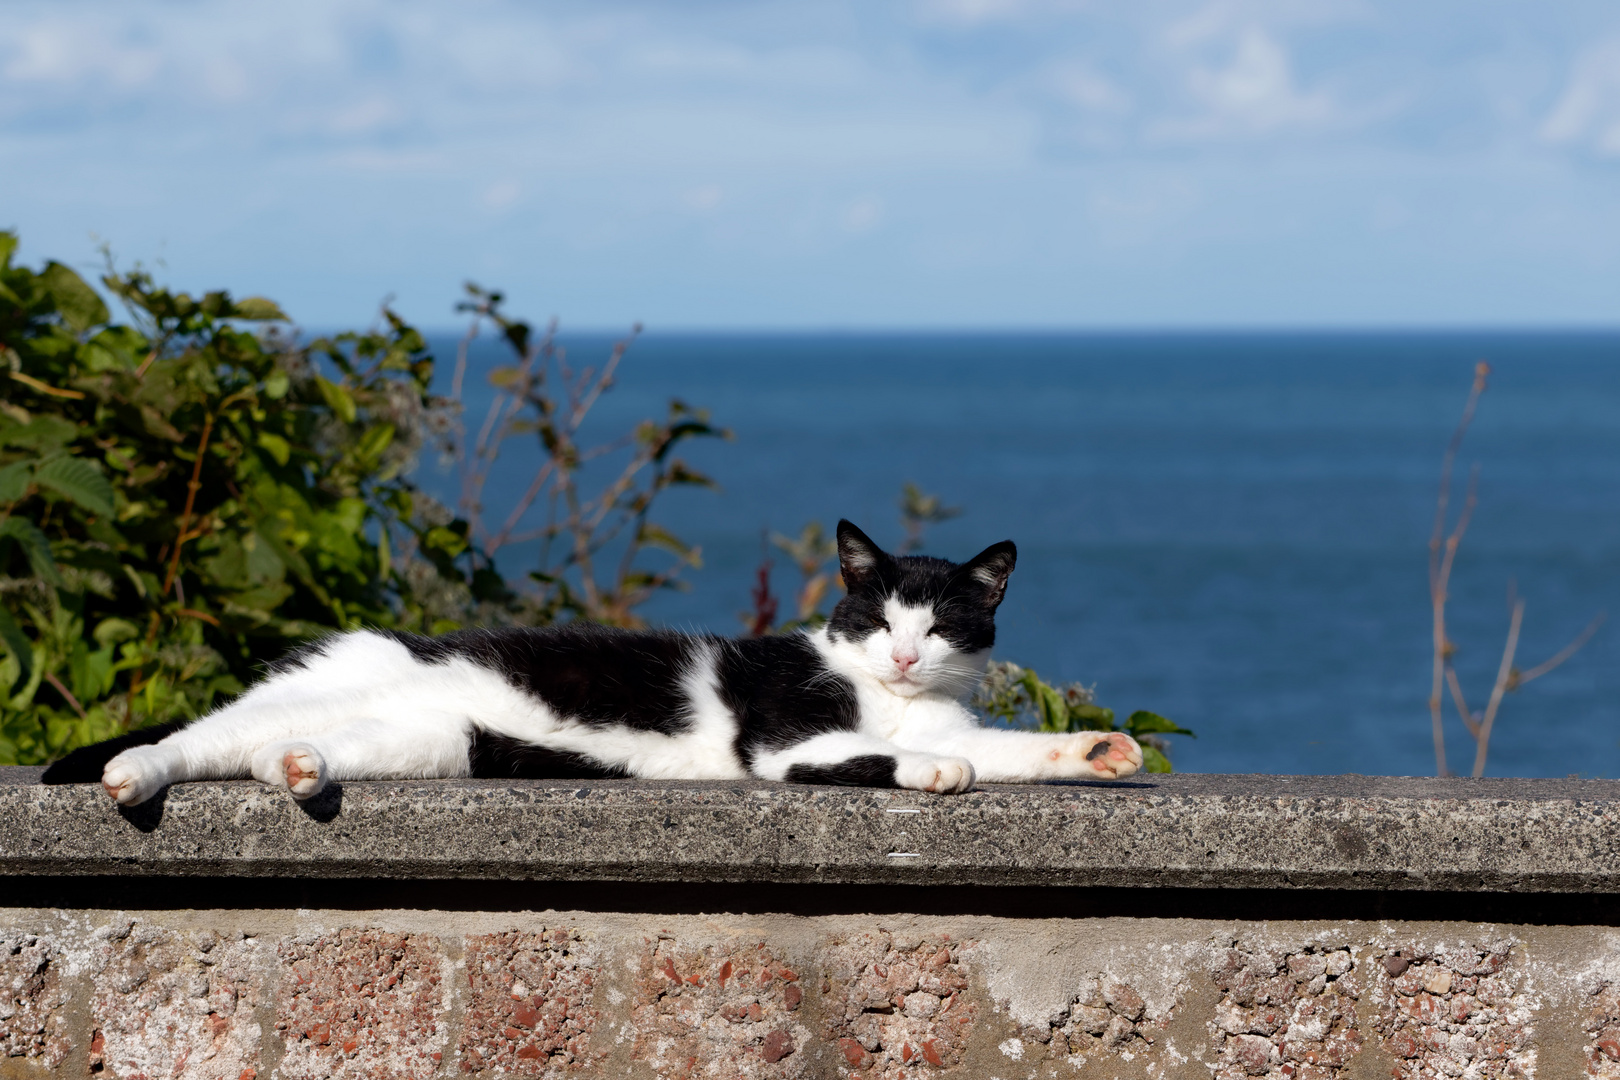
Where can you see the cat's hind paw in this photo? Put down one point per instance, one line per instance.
(298, 767)
(924, 772)
(133, 777)
(305, 771)
(1110, 755)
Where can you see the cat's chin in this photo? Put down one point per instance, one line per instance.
(905, 687)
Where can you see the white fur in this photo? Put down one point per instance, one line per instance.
(364, 708)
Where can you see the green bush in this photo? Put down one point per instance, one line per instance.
(1022, 698)
(185, 493)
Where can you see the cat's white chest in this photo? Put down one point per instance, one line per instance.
(889, 716)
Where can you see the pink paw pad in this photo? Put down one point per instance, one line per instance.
(1115, 755)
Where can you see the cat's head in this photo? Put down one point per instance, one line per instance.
(915, 623)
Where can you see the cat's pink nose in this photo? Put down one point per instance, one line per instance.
(903, 660)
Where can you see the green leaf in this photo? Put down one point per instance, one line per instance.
(337, 399)
(258, 309)
(1090, 718)
(1153, 761)
(374, 442)
(113, 630)
(15, 640)
(276, 384)
(14, 480)
(80, 481)
(660, 537)
(8, 244)
(1142, 722)
(76, 302)
(440, 538)
(35, 544)
(43, 432)
(275, 446)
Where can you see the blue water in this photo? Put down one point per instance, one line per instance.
(1229, 529)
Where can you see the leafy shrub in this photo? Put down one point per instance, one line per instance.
(181, 497)
(185, 494)
(1019, 696)
(590, 540)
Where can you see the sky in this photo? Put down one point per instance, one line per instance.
(938, 164)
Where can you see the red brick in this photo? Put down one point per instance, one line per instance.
(871, 978)
(174, 1004)
(720, 1010)
(531, 1008)
(361, 1003)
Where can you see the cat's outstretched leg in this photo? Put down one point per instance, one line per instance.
(217, 747)
(140, 772)
(1011, 757)
(850, 758)
(419, 745)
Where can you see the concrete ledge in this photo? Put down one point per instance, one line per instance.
(1184, 832)
(1176, 928)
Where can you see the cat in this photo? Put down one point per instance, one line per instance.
(873, 697)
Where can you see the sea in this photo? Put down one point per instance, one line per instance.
(1229, 529)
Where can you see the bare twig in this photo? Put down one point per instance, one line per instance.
(66, 693)
(191, 498)
(1468, 718)
(1442, 554)
(1519, 678)
(1504, 671)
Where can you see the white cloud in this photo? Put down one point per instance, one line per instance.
(1587, 114)
(502, 194)
(68, 51)
(863, 214)
(1253, 93)
(704, 197)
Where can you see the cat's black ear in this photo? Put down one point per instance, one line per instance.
(990, 569)
(858, 557)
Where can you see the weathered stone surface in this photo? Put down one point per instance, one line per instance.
(175, 1003)
(361, 1003)
(1453, 1008)
(1286, 1013)
(1187, 831)
(552, 995)
(530, 1010)
(725, 1010)
(899, 1003)
(33, 1025)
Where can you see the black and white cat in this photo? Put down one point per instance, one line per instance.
(874, 697)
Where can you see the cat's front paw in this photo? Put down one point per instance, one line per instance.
(1108, 754)
(133, 777)
(298, 767)
(923, 772)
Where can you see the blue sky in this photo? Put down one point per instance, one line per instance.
(937, 163)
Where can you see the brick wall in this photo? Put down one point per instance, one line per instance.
(245, 995)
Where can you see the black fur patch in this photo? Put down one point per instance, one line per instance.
(296, 657)
(85, 765)
(500, 757)
(595, 674)
(868, 770)
(781, 692)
